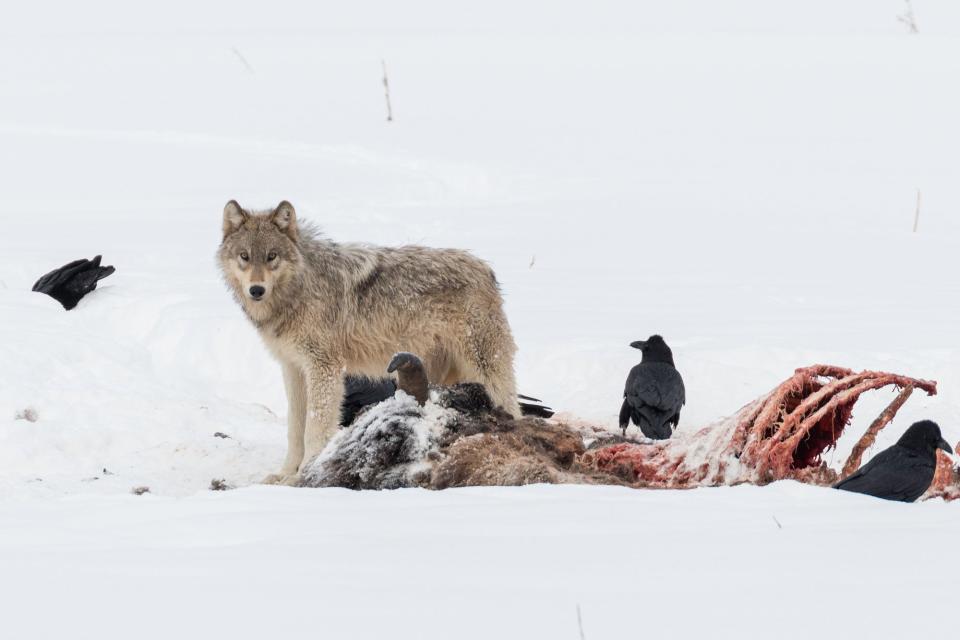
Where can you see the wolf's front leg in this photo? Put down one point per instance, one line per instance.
(295, 383)
(325, 394)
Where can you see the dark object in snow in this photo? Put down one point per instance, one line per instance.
(361, 392)
(220, 434)
(68, 284)
(904, 471)
(139, 491)
(29, 414)
(654, 392)
(219, 484)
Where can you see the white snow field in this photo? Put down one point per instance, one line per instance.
(740, 176)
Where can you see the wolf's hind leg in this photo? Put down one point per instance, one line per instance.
(442, 367)
(489, 352)
(502, 389)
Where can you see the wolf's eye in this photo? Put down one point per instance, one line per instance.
(271, 256)
(244, 256)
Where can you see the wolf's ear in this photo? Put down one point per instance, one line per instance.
(233, 217)
(285, 217)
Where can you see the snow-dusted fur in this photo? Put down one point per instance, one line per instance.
(326, 309)
(387, 447)
(457, 439)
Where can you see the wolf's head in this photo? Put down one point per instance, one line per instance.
(259, 254)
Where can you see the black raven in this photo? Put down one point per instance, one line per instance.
(904, 471)
(654, 391)
(72, 281)
(360, 391)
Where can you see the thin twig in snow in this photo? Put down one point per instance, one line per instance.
(580, 623)
(779, 526)
(386, 90)
(239, 55)
(909, 18)
(916, 214)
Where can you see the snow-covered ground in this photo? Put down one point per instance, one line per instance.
(786, 561)
(739, 176)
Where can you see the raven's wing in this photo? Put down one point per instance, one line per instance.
(530, 406)
(896, 473)
(69, 283)
(48, 282)
(656, 385)
(86, 281)
(361, 391)
(655, 392)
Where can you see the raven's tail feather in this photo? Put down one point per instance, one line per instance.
(654, 424)
(534, 407)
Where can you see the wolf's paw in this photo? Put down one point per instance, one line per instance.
(285, 479)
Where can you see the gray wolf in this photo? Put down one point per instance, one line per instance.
(326, 310)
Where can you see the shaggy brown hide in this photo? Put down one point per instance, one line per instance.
(496, 450)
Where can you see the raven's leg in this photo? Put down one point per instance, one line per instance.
(624, 417)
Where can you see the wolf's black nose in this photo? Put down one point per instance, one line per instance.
(256, 292)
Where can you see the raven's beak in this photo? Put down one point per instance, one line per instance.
(943, 444)
(639, 344)
(395, 363)
(402, 358)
